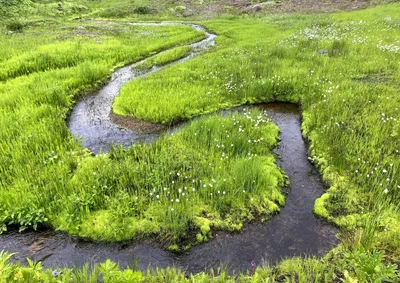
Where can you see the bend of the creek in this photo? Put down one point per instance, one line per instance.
(91, 120)
(295, 231)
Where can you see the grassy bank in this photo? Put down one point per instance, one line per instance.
(338, 266)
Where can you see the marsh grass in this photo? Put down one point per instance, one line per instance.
(40, 86)
(352, 125)
(215, 173)
(163, 58)
(369, 267)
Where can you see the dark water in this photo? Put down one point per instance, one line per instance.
(293, 232)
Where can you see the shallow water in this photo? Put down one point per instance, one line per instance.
(295, 231)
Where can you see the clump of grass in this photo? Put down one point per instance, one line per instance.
(15, 26)
(356, 266)
(215, 173)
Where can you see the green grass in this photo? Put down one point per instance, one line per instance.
(163, 58)
(214, 174)
(344, 73)
(351, 267)
(40, 87)
(49, 179)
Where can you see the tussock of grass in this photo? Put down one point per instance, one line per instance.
(214, 174)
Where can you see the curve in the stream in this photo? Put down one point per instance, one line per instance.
(295, 231)
(90, 119)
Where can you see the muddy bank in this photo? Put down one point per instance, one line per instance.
(295, 231)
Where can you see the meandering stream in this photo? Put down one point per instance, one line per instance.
(295, 231)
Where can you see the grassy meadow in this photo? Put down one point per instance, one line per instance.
(217, 172)
(345, 75)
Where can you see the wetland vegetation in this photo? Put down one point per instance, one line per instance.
(218, 172)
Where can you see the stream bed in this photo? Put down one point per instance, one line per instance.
(295, 231)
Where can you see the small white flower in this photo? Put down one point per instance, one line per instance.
(385, 191)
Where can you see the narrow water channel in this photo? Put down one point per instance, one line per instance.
(90, 119)
(295, 231)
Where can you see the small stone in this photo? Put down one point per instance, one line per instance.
(55, 273)
(256, 8)
(322, 52)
